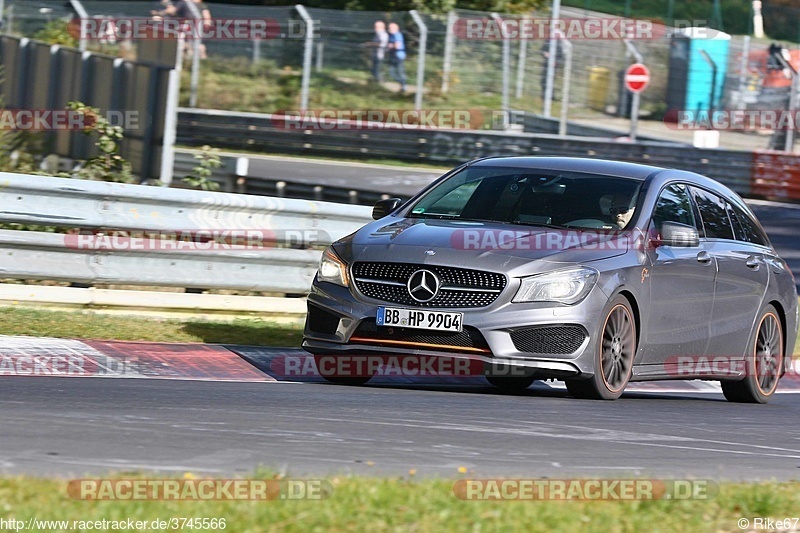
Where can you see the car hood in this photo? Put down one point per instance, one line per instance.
(515, 250)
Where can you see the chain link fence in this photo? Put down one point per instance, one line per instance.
(323, 59)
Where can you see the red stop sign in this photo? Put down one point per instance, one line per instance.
(637, 77)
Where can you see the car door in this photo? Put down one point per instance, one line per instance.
(741, 280)
(681, 284)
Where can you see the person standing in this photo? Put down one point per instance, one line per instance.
(379, 42)
(397, 55)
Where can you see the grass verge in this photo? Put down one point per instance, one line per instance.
(398, 504)
(87, 325)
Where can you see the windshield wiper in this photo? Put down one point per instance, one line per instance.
(540, 224)
(457, 217)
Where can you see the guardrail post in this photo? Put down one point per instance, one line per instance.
(256, 50)
(449, 44)
(320, 54)
(308, 51)
(78, 7)
(423, 44)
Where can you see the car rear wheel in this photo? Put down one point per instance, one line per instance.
(511, 383)
(763, 364)
(613, 362)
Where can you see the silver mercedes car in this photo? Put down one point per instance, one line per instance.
(593, 272)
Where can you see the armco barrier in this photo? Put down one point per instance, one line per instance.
(263, 132)
(98, 206)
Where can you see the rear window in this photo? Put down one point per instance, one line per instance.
(714, 215)
(745, 227)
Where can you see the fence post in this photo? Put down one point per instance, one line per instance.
(636, 96)
(449, 44)
(551, 59)
(171, 115)
(743, 65)
(78, 7)
(307, 53)
(198, 17)
(523, 56)
(423, 43)
(562, 126)
(506, 67)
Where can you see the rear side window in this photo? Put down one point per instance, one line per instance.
(673, 205)
(746, 228)
(714, 215)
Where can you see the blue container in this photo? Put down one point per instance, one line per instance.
(694, 83)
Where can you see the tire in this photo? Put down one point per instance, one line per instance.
(511, 383)
(340, 380)
(613, 359)
(763, 362)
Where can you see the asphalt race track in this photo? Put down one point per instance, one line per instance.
(66, 426)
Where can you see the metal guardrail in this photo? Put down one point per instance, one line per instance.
(234, 176)
(254, 131)
(286, 265)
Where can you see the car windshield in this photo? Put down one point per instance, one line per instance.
(532, 197)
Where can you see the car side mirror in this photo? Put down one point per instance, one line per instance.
(384, 207)
(681, 235)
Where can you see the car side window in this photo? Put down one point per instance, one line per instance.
(673, 205)
(714, 215)
(747, 229)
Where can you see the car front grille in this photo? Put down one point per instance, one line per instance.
(468, 340)
(549, 339)
(460, 287)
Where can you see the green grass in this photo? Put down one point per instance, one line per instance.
(235, 84)
(399, 504)
(87, 325)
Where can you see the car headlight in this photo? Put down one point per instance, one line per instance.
(568, 286)
(332, 269)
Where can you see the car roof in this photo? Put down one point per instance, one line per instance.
(575, 164)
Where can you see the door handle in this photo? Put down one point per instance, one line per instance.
(753, 262)
(703, 257)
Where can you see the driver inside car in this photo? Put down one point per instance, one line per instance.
(618, 207)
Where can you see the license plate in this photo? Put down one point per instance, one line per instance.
(419, 319)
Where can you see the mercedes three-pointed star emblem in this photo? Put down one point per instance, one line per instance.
(423, 285)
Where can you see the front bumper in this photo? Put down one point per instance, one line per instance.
(338, 320)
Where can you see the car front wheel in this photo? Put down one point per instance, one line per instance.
(613, 361)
